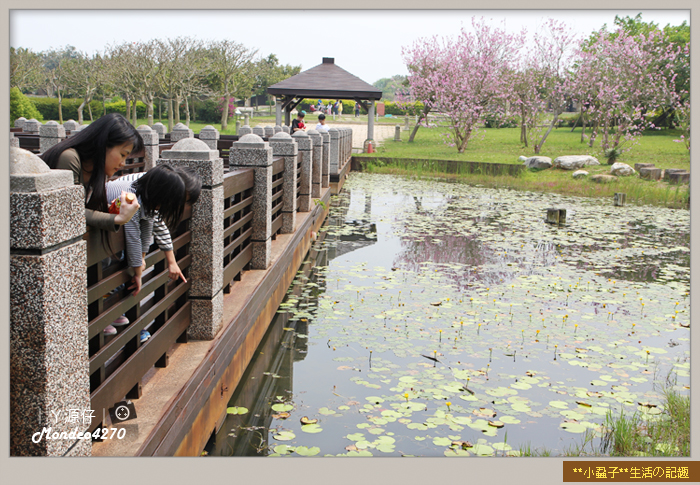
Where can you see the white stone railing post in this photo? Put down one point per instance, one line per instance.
(334, 154)
(150, 146)
(244, 130)
(326, 160)
(207, 226)
(20, 122)
(259, 130)
(210, 136)
(284, 146)
(304, 146)
(14, 142)
(180, 132)
(250, 151)
(269, 131)
(49, 366)
(70, 125)
(317, 170)
(31, 127)
(160, 129)
(50, 134)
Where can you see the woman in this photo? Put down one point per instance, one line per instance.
(94, 155)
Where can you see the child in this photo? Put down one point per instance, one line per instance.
(162, 193)
(322, 126)
(298, 122)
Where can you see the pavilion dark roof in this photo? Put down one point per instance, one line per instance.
(327, 80)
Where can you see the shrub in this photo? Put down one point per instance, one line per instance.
(48, 107)
(20, 105)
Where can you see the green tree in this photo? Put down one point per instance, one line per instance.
(21, 106)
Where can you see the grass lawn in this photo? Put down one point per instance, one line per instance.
(503, 146)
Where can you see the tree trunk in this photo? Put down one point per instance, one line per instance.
(194, 109)
(462, 143)
(170, 115)
(426, 110)
(523, 127)
(539, 146)
(134, 113)
(224, 112)
(127, 98)
(80, 112)
(187, 112)
(90, 112)
(176, 108)
(60, 107)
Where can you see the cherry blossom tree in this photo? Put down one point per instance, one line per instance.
(621, 81)
(464, 78)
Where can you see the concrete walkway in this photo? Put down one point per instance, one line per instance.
(359, 131)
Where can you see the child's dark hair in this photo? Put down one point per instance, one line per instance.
(192, 181)
(92, 143)
(321, 117)
(162, 191)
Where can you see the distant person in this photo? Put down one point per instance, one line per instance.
(340, 108)
(322, 126)
(357, 109)
(298, 123)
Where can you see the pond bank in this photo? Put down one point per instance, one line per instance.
(503, 175)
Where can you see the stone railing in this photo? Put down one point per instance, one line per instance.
(64, 291)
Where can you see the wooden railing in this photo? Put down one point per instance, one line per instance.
(118, 362)
(297, 203)
(277, 193)
(238, 216)
(28, 141)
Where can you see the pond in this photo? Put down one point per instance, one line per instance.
(441, 319)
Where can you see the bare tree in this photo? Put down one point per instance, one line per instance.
(55, 79)
(232, 63)
(84, 75)
(25, 68)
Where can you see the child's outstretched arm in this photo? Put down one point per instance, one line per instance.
(161, 234)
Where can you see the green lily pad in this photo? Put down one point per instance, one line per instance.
(311, 428)
(304, 451)
(440, 441)
(573, 427)
(236, 410)
(281, 407)
(284, 436)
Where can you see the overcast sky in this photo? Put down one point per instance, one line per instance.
(365, 43)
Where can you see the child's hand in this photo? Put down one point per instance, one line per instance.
(175, 272)
(126, 210)
(136, 279)
(135, 284)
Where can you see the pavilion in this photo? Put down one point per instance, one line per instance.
(327, 81)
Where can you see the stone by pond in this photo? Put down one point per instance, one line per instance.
(575, 162)
(441, 315)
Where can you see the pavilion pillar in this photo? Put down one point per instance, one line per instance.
(370, 121)
(278, 111)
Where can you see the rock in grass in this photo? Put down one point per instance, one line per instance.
(669, 171)
(574, 162)
(637, 166)
(621, 169)
(650, 173)
(522, 158)
(579, 174)
(603, 178)
(538, 163)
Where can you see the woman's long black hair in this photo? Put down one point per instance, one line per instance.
(162, 192)
(92, 143)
